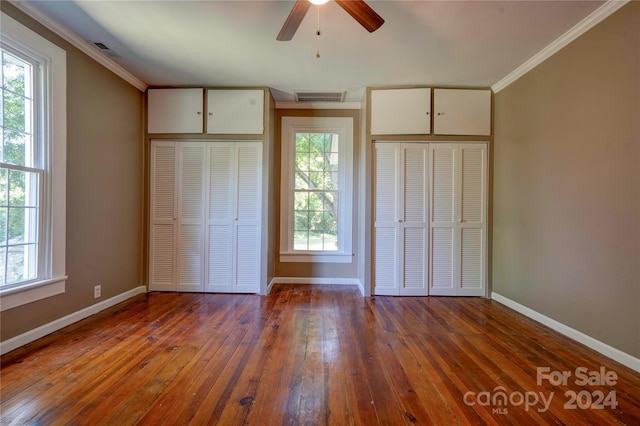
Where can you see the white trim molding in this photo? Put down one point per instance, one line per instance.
(84, 46)
(319, 281)
(597, 16)
(598, 346)
(37, 333)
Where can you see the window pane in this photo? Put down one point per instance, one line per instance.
(3, 264)
(17, 188)
(301, 180)
(15, 264)
(4, 187)
(302, 142)
(17, 112)
(3, 227)
(316, 161)
(300, 240)
(15, 74)
(17, 148)
(302, 161)
(17, 230)
(301, 201)
(301, 220)
(315, 179)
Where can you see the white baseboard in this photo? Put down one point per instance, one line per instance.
(35, 334)
(321, 281)
(609, 351)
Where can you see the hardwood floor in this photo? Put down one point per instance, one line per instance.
(308, 355)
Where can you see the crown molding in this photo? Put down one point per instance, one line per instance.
(79, 43)
(597, 16)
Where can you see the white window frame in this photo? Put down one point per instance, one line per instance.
(343, 126)
(52, 128)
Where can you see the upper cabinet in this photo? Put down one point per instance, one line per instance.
(401, 111)
(175, 110)
(235, 111)
(462, 112)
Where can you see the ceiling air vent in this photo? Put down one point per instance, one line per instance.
(105, 49)
(313, 96)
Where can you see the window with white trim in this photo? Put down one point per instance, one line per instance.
(32, 166)
(316, 189)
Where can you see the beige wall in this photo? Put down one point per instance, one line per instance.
(319, 270)
(104, 189)
(567, 185)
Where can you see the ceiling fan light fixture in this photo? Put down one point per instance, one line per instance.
(318, 2)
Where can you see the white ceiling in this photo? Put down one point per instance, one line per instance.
(233, 43)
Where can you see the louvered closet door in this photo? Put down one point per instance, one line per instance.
(387, 203)
(443, 226)
(400, 227)
(248, 181)
(220, 217)
(413, 226)
(163, 217)
(473, 224)
(191, 157)
(458, 219)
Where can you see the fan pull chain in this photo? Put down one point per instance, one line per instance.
(318, 34)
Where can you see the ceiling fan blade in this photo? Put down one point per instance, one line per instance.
(294, 19)
(361, 12)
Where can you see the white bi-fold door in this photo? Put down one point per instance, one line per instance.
(177, 216)
(205, 216)
(233, 217)
(458, 206)
(400, 219)
(430, 219)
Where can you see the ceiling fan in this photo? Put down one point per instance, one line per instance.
(358, 9)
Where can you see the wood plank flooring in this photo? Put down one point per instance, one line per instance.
(309, 355)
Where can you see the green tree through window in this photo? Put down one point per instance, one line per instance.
(316, 192)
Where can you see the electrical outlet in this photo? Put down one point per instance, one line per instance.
(97, 291)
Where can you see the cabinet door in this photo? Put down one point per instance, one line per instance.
(401, 111)
(163, 217)
(220, 217)
(458, 219)
(387, 163)
(175, 110)
(248, 182)
(191, 157)
(462, 112)
(235, 111)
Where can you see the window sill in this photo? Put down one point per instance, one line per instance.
(31, 292)
(311, 257)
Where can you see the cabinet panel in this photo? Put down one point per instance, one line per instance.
(175, 110)
(162, 257)
(385, 261)
(462, 112)
(235, 111)
(401, 111)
